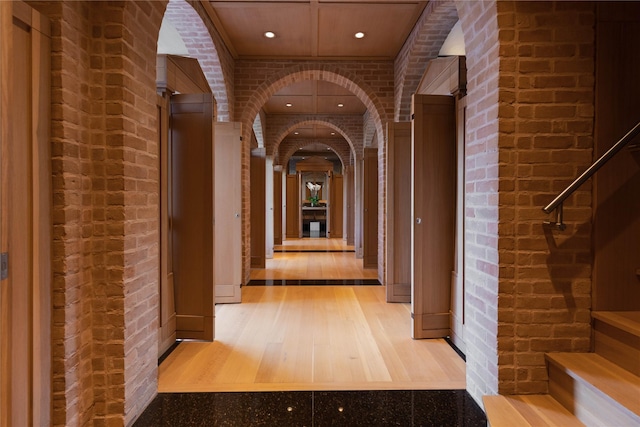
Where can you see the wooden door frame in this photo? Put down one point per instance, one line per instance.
(28, 398)
(370, 208)
(398, 212)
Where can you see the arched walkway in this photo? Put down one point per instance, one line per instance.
(303, 121)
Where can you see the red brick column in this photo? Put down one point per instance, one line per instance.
(528, 133)
(105, 212)
(546, 109)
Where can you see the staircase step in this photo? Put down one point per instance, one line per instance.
(597, 391)
(617, 337)
(527, 410)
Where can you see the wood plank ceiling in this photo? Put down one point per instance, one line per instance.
(315, 30)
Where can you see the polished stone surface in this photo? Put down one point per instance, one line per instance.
(314, 282)
(441, 408)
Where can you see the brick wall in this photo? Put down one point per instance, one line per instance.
(72, 262)
(105, 212)
(478, 20)
(546, 108)
(140, 185)
(280, 125)
(529, 133)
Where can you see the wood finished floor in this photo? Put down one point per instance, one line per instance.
(334, 263)
(312, 338)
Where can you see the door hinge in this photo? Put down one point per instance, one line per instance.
(4, 265)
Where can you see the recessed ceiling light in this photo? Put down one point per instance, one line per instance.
(333, 133)
(271, 34)
(288, 104)
(359, 35)
(296, 133)
(328, 148)
(341, 105)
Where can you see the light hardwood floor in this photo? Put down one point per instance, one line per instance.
(312, 338)
(305, 265)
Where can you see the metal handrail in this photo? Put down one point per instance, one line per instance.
(556, 204)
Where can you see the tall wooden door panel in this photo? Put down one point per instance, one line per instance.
(192, 210)
(167, 330)
(398, 218)
(228, 208)
(277, 207)
(25, 217)
(258, 220)
(350, 216)
(370, 203)
(336, 203)
(433, 211)
(293, 208)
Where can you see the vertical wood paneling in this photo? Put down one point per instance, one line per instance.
(350, 217)
(433, 210)
(193, 234)
(616, 287)
(25, 216)
(6, 75)
(277, 207)
(370, 203)
(228, 208)
(167, 332)
(293, 208)
(398, 218)
(258, 248)
(337, 206)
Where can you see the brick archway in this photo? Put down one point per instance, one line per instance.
(434, 26)
(262, 93)
(186, 17)
(343, 151)
(349, 133)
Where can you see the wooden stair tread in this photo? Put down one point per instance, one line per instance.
(603, 375)
(527, 410)
(628, 321)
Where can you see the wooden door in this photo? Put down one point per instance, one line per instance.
(228, 209)
(258, 220)
(167, 316)
(398, 218)
(277, 207)
(192, 163)
(336, 203)
(457, 276)
(349, 179)
(25, 217)
(370, 205)
(293, 208)
(433, 211)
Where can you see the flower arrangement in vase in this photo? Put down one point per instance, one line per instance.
(313, 188)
